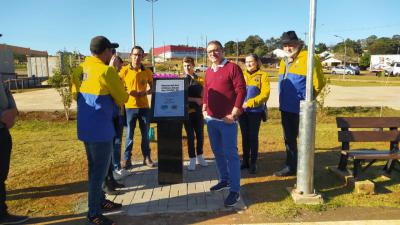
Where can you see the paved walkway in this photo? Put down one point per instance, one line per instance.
(49, 100)
(142, 194)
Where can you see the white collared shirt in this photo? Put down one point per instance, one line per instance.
(216, 67)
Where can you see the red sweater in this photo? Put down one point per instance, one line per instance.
(224, 90)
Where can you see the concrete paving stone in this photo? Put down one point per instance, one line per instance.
(143, 195)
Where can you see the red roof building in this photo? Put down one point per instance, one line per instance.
(177, 52)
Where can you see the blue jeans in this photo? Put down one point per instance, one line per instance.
(223, 141)
(290, 125)
(98, 156)
(116, 157)
(131, 116)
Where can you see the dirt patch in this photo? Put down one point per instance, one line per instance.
(55, 116)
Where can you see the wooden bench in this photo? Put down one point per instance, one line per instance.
(376, 133)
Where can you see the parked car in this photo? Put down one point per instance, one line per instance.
(200, 68)
(394, 70)
(345, 70)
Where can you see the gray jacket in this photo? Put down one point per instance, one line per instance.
(6, 100)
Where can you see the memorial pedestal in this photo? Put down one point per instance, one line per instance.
(170, 163)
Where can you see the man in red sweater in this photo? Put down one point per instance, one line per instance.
(224, 93)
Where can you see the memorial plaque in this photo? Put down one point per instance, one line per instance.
(169, 111)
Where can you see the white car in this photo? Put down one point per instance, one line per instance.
(394, 70)
(200, 68)
(344, 70)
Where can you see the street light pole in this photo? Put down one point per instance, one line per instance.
(152, 27)
(133, 23)
(345, 53)
(304, 192)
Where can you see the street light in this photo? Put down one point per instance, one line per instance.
(152, 27)
(345, 51)
(133, 24)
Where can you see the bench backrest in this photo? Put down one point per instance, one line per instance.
(346, 136)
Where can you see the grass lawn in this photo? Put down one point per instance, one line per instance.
(49, 169)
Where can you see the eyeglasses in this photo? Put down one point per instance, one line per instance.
(214, 51)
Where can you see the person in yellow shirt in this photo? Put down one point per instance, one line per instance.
(138, 81)
(257, 94)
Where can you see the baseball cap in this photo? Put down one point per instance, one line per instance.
(100, 43)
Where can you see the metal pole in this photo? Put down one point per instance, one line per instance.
(305, 166)
(133, 24)
(345, 54)
(152, 25)
(237, 51)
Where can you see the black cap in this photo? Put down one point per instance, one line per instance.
(100, 43)
(290, 37)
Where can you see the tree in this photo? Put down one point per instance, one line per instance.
(365, 61)
(61, 81)
(273, 43)
(261, 50)
(384, 45)
(320, 47)
(251, 43)
(230, 48)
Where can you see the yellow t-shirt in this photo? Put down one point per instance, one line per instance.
(136, 80)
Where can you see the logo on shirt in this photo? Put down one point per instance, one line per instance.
(84, 76)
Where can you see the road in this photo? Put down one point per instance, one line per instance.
(339, 96)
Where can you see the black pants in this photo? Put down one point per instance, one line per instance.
(249, 127)
(290, 124)
(195, 124)
(5, 155)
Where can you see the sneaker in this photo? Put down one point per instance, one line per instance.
(127, 165)
(220, 186)
(12, 219)
(201, 160)
(253, 169)
(148, 162)
(232, 199)
(285, 172)
(192, 164)
(120, 174)
(99, 219)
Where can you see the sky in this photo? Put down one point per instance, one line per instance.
(53, 25)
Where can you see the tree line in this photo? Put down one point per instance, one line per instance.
(356, 50)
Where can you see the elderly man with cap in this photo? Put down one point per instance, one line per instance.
(97, 88)
(292, 90)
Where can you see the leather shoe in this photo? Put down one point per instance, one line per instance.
(253, 169)
(244, 166)
(285, 172)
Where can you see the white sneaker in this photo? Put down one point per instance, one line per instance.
(192, 164)
(201, 160)
(120, 174)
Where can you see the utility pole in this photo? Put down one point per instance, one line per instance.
(205, 55)
(344, 57)
(237, 51)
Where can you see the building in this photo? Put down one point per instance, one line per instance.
(169, 52)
